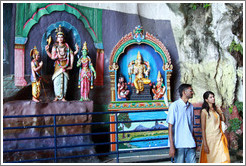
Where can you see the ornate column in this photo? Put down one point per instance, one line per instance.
(169, 73)
(112, 72)
(112, 85)
(99, 67)
(19, 61)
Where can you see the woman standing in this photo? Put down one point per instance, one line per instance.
(214, 144)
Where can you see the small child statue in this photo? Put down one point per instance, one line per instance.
(35, 76)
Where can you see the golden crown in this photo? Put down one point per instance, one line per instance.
(59, 31)
(34, 51)
(85, 46)
(139, 56)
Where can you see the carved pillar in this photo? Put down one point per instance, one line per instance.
(99, 67)
(169, 73)
(20, 65)
(112, 85)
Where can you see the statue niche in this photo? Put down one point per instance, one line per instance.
(144, 63)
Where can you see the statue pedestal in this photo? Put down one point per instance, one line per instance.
(143, 95)
(32, 108)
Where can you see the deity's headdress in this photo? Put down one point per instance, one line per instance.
(159, 76)
(34, 51)
(139, 57)
(85, 46)
(59, 31)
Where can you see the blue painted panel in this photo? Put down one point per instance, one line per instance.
(145, 135)
(148, 54)
(20, 40)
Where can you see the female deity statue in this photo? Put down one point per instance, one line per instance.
(159, 89)
(35, 76)
(64, 57)
(139, 69)
(85, 74)
(122, 88)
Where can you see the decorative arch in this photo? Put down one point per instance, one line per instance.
(58, 7)
(123, 55)
(127, 46)
(128, 40)
(92, 19)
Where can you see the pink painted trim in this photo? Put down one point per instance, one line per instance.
(59, 4)
(19, 67)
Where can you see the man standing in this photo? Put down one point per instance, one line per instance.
(180, 121)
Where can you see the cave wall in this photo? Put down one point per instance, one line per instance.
(197, 40)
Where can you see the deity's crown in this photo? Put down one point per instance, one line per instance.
(59, 31)
(139, 56)
(85, 46)
(159, 75)
(34, 51)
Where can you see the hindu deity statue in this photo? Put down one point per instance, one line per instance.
(159, 89)
(122, 88)
(64, 58)
(141, 70)
(85, 74)
(35, 74)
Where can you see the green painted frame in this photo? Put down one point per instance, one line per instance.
(128, 40)
(134, 41)
(24, 25)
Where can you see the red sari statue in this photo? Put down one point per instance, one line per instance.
(85, 74)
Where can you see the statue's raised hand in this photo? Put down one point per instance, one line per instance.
(77, 49)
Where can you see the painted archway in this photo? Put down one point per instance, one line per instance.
(128, 40)
(49, 8)
(29, 14)
(136, 39)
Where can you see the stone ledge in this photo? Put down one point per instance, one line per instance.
(25, 107)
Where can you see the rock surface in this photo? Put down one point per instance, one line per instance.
(31, 108)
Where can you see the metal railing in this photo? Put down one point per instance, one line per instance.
(55, 136)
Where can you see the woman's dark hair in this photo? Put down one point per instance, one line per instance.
(183, 87)
(205, 104)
